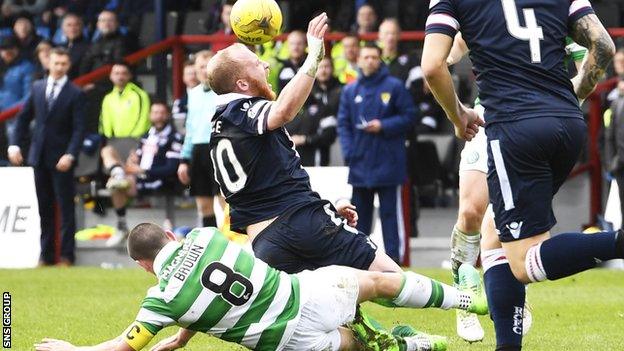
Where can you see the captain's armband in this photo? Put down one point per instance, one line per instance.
(137, 336)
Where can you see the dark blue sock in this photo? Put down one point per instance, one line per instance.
(506, 297)
(570, 253)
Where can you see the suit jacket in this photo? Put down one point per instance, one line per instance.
(57, 131)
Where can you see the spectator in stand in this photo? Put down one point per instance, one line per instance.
(74, 41)
(42, 63)
(287, 69)
(88, 10)
(24, 31)
(315, 131)
(374, 116)
(16, 73)
(110, 47)
(56, 106)
(618, 68)
(180, 105)
(399, 63)
(125, 114)
(365, 20)
(406, 67)
(196, 166)
(346, 67)
(151, 168)
(15, 8)
(224, 27)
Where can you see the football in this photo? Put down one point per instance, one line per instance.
(256, 21)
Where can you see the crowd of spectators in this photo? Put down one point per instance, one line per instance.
(370, 100)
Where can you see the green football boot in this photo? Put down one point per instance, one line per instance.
(371, 335)
(470, 282)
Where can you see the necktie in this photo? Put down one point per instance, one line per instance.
(51, 95)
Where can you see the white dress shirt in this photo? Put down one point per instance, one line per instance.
(59, 86)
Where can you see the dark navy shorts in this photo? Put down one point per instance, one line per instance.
(528, 161)
(310, 237)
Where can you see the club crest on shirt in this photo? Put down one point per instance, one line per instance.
(246, 106)
(385, 97)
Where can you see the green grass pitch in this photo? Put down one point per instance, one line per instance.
(90, 305)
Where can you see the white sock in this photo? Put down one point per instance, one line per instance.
(533, 264)
(421, 292)
(464, 249)
(491, 258)
(417, 343)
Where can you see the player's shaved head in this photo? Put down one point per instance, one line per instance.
(236, 69)
(146, 240)
(225, 67)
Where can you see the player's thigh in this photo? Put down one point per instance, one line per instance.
(520, 178)
(330, 295)
(571, 144)
(334, 242)
(383, 263)
(489, 237)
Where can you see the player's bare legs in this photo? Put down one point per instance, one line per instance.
(409, 289)
(516, 252)
(383, 263)
(465, 238)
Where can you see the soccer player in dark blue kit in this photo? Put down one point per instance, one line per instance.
(259, 172)
(535, 131)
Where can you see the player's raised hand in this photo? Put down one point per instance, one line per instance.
(48, 344)
(316, 47)
(318, 26)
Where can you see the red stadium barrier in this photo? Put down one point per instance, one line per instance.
(176, 45)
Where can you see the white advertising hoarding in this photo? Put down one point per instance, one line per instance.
(20, 229)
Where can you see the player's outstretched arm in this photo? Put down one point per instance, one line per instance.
(134, 338)
(296, 92)
(590, 33)
(48, 344)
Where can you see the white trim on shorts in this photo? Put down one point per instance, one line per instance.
(503, 179)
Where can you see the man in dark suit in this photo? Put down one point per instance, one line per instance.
(57, 106)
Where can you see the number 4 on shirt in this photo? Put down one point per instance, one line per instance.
(531, 33)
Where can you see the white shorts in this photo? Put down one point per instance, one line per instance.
(333, 293)
(474, 156)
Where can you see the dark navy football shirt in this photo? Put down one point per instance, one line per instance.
(258, 170)
(517, 48)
